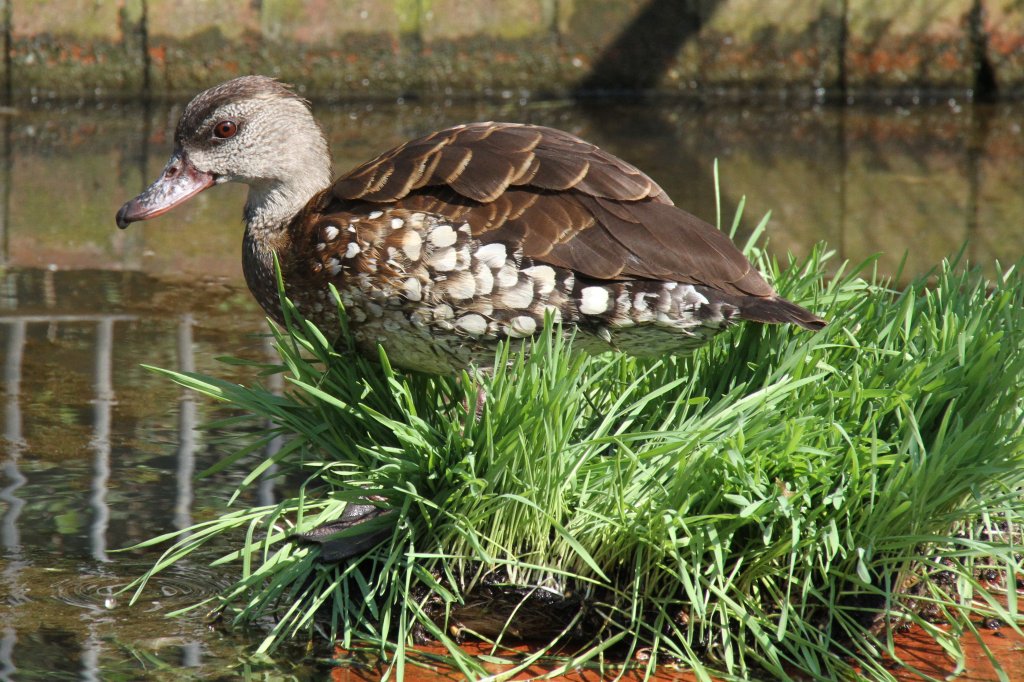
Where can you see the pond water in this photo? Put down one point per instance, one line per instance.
(99, 454)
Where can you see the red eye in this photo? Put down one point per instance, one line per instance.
(225, 129)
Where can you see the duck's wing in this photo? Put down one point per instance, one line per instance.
(561, 200)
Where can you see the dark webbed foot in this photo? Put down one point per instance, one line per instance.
(361, 526)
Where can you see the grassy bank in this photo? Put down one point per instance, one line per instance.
(764, 508)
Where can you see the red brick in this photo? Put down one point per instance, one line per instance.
(918, 44)
(196, 43)
(72, 48)
(630, 44)
(335, 49)
(510, 19)
(1003, 31)
(486, 47)
(796, 46)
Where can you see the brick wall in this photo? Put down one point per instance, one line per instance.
(386, 48)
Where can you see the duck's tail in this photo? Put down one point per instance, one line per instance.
(777, 310)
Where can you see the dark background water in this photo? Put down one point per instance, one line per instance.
(99, 454)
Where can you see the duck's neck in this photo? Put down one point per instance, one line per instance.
(272, 205)
(269, 211)
(282, 182)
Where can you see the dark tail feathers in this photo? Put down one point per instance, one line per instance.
(777, 310)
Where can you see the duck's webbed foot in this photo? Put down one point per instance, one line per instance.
(361, 526)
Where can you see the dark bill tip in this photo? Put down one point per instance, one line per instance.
(124, 218)
(179, 182)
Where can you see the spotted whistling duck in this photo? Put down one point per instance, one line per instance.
(453, 241)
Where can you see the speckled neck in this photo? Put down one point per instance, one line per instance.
(301, 168)
(268, 215)
(258, 250)
(272, 204)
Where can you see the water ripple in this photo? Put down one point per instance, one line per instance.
(174, 588)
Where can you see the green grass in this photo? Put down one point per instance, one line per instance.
(749, 511)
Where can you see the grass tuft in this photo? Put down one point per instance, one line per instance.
(766, 507)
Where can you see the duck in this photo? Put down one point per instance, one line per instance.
(454, 241)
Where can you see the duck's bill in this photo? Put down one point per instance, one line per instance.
(179, 182)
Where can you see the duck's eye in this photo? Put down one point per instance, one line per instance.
(225, 129)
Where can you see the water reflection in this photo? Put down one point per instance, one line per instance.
(102, 404)
(187, 434)
(10, 535)
(95, 451)
(99, 454)
(15, 350)
(891, 180)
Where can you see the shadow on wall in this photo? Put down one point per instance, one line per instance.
(646, 48)
(635, 62)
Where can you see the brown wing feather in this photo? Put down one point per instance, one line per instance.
(560, 199)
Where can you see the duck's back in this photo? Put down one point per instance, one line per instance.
(471, 234)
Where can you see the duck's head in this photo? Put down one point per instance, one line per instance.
(253, 130)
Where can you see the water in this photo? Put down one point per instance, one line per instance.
(100, 454)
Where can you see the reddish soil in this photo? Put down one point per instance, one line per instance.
(417, 673)
(918, 652)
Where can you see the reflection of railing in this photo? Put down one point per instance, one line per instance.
(187, 441)
(12, 432)
(102, 406)
(103, 402)
(9, 535)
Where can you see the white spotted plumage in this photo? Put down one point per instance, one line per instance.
(593, 300)
(440, 298)
(442, 235)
